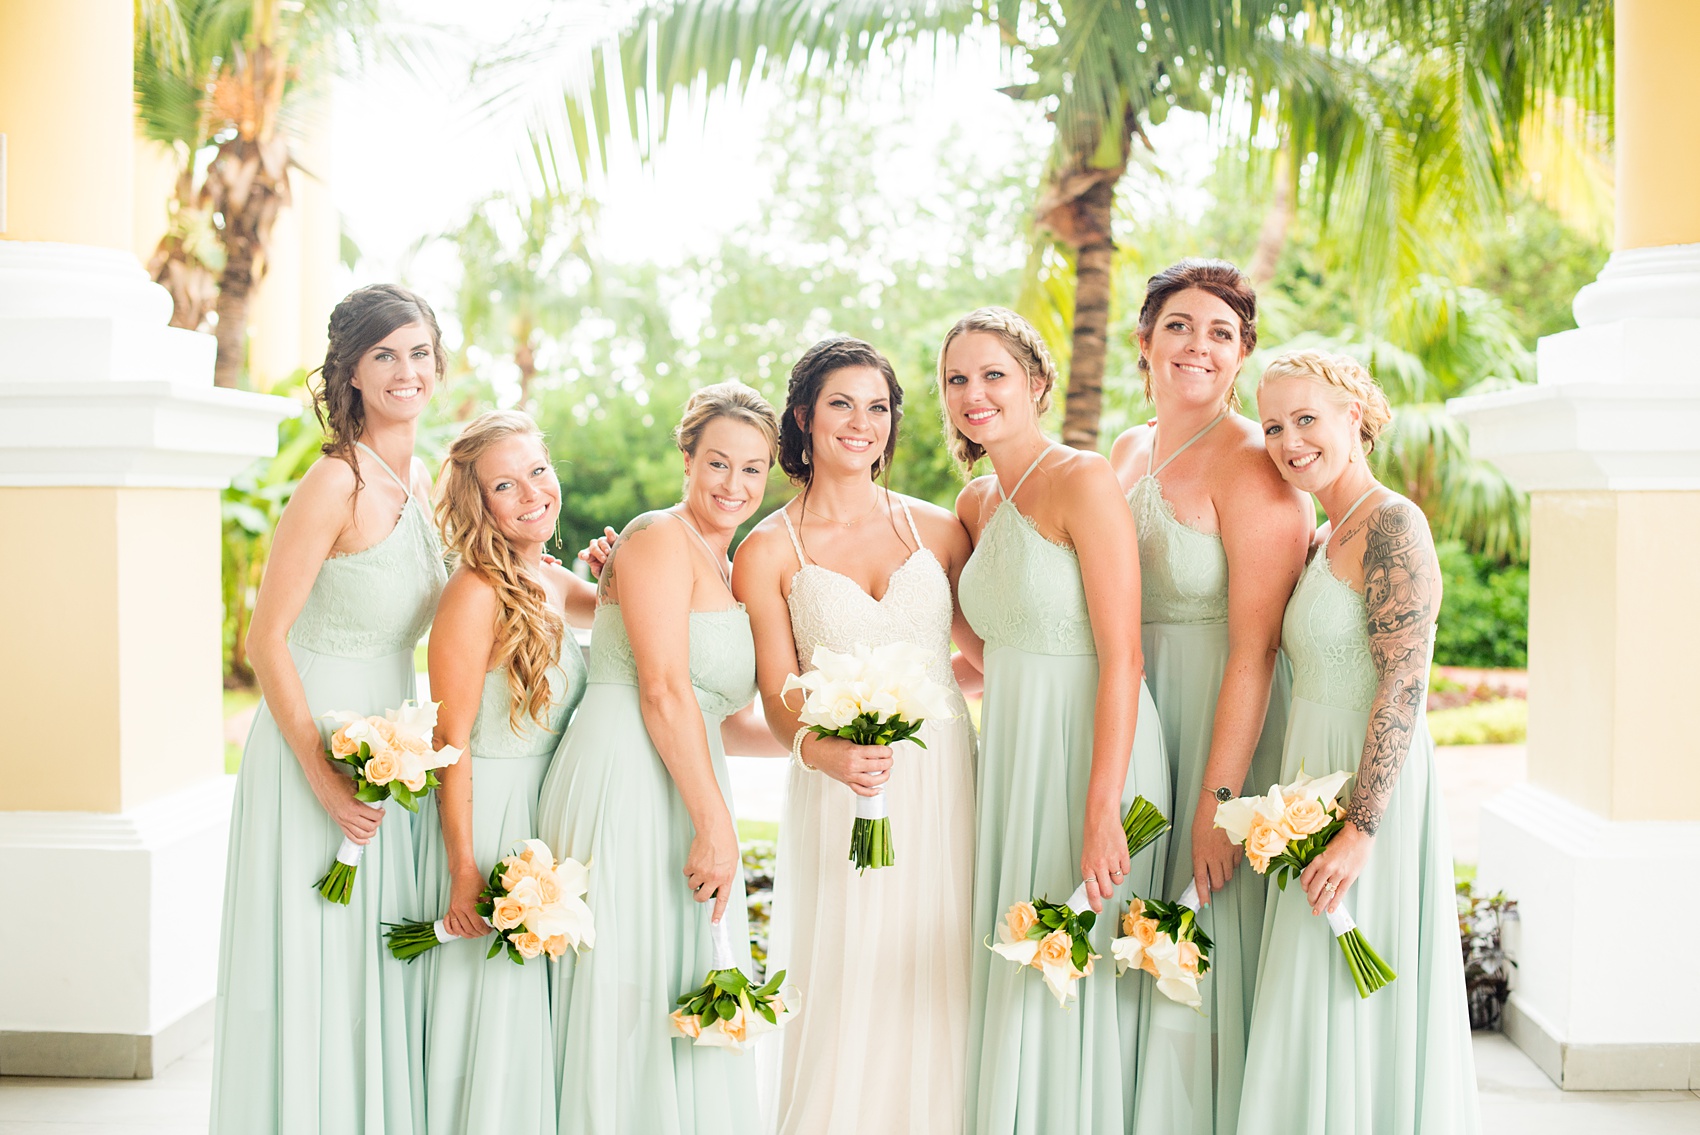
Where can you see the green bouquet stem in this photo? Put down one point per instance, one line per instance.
(1369, 972)
(338, 883)
(870, 835)
(1142, 824)
(407, 940)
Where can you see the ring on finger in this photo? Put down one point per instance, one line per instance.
(1331, 887)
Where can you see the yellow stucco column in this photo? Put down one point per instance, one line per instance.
(1607, 442)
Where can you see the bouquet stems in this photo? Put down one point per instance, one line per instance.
(407, 940)
(870, 835)
(1142, 824)
(338, 883)
(1369, 972)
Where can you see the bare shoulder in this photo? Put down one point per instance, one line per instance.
(971, 501)
(656, 529)
(467, 592)
(764, 545)
(326, 492)
(1249, 473)
(1396, 523)
(938, 526)
(1130, 444)
(1084, 471)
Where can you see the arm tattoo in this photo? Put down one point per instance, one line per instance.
(1401, 593)
(606, 579)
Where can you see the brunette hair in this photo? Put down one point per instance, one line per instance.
(529, 632)
(801, 393)
(1346, 381)
(725, 400)
(1024, 345)
(357, 324)
(1218, 277)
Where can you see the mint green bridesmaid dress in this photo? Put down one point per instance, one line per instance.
(610, 802)
(489, 1048)
(1322, 1061)
(1192, 1062)
(1034, 1067)
(316, 1027)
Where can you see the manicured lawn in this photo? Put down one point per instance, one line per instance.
(1502, 721)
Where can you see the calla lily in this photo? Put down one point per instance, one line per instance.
(1326, 788)
(1061, 981)
(1021, 953)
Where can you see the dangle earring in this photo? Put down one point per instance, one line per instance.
(806, 450)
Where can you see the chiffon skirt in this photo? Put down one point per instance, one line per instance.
(882, 957)
(489, 1049)
(1192, 1062)
(1034, 1067)
(1322, 1061)
(609, 802)
(316, 1027)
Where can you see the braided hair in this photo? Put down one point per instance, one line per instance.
(1024, 345)
(1345, 380)
(362, 320)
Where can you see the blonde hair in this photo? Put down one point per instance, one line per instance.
(529, 632)
(726, 400)
(1347, 381)
(1025, 347)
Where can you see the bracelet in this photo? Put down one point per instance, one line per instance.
(797, 760)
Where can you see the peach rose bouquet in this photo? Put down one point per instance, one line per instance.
(535, 903)
(1165, 940)
(1282, 832)
(391, 758)
(726, 1010)
(1053, 937)
(872, 696)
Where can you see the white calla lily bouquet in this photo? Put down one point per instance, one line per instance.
(392, 759)
(872, 696)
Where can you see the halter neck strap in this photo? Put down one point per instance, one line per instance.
(1152, 456)
(1006, 496)
(719, 566)
(384, 465)
(796, 544)
(1366, 495)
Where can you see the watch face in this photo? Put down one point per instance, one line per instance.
(1224, 794)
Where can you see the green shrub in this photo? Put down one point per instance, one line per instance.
(1501, 722)
(1484, 613)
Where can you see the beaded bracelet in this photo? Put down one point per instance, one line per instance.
(797, 750)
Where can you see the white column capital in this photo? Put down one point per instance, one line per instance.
(1643, 283)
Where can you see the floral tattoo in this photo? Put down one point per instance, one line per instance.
(1402, 594)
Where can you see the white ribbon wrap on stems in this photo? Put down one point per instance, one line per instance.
(349, 853)
(871, 807)
(1189, 897)
(722, 946)
(441, 929)
(1340, 922)
(1077, 902)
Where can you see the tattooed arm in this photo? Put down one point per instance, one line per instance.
(1402, 595)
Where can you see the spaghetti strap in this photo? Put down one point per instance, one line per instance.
(1366, 495)
(913, 531)
(796, 544)
(1150, 472)
(725, 576)
(382, 464)
(1006, 496)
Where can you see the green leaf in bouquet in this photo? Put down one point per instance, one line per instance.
(771, 985)
(1079, 952)
(370, 793)
(726, 1008)
(731, 980)
(496, 947)
(766, 1011)
(1087, 918)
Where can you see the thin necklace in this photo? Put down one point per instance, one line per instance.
(843, 523)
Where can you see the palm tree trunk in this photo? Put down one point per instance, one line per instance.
(1093, 261)
(234, 288)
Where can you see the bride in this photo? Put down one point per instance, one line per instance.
(883, 955)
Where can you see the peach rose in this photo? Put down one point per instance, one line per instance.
(1054, 950)
(1022, 918)
(687, 1024)
(548, 888)
(1263, 842)
(341, 745)
(382, 768)
(556, 945)
(1186, 953)
(509, 912)
(528, 944)
(1135, 911)
(514, 869)
(1303, 817)
(737, 1029)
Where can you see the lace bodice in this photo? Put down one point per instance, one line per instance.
(1183, 573)
(379, 600)
(493, 735)
(828, 609)
(1325, 633)
(723, 656)
(1019, 589)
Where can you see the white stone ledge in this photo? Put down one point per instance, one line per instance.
(1643, 283)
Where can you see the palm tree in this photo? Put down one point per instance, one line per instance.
(1396, 116)
(233, 77)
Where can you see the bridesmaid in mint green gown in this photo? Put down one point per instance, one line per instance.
(1052, 588)
(639, 792)
(316, 1028)
(508, 675)
(1360, 633)
(1211, 511)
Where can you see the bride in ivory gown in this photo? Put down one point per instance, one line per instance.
(883, 956)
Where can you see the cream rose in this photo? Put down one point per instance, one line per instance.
(1022, 917)
(1055, 949)
(1303, 818)
(514, 869)
(555, 945)
(528, 944)
(687, 1024)
(508, 913)
(382, 767)
(342, 745)
(1263, 842)
(1186, 953)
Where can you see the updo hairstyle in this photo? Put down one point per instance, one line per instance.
(1346, 380)
(803, 391)
(364, 318)
(1217, 277)
(1024, 345)
(725, 400)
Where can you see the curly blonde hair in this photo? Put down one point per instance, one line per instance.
(1346, 380)
(529, 632)
(1024, 345)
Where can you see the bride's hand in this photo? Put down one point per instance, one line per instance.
(865, 768)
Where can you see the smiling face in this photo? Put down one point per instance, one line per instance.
(852, 420)
(1310, 432)
(1194, 350)
(520, 488)
(397, 375)
(727, 475)
(987, 394)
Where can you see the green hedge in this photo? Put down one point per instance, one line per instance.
(1484, 614)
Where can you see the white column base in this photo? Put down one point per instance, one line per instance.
(110, 944)
(1606, 995)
